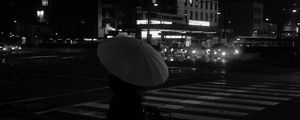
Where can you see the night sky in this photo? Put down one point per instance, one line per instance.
(274, 9)
(13, 9)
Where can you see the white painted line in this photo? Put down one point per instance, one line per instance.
(48, 56)
(197, 110)
(213, 104)
(52, 96)
(224, 92)
(246, 90)
(207, 97)
(192, 117)
(230, 94)
(262, 86)
(216, 111)
(273, 90)
(95, 105)
(82, 112)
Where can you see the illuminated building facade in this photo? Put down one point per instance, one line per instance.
(41, 12)
(161, 21)
(199, 10)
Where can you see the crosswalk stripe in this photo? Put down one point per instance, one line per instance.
(227, 94)
(268, 86)
(245, 93)
(280, 84)
(261, 85)
(197, 110)
(213, 104)
(249, 89)
(207, 97)
(78, 111)
(218, 100)
(272, 90)
(95, 105)
(193, 117)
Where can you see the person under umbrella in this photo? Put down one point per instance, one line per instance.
(133, 64)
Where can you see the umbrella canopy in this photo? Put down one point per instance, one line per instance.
(133, 61)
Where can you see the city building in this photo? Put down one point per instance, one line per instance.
(172, 22)
(290, 30)
(199, 10)
(247, 19)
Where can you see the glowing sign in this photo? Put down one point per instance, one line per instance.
(40, 13)
(199, 23)
(143, 22)
(45, 2)
(174, 36)
(155, 34)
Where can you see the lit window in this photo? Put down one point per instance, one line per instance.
(40, 13)
(199, 23)
(45, 2)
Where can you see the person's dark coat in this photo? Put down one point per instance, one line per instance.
(125, 104)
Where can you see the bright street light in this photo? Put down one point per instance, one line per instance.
(267, 19)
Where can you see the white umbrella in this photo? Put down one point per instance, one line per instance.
(133, 61)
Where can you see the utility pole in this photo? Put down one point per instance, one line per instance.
(149, 37)
(100, 19)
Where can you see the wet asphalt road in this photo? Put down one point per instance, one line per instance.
(42, 80)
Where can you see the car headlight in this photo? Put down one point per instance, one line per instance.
(194, 51)
(171, 59)
(223, 53)
(236, 51)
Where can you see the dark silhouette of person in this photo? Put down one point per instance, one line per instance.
(126, 103)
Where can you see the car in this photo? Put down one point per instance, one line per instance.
(222, 51)
(9, 48)
(196, 52)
